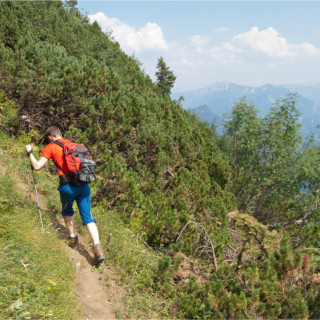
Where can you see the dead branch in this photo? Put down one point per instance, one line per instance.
(171, 174)
(207, 239)
(231, 247)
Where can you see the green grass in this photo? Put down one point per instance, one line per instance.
(36, 276)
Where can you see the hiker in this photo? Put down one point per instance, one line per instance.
(69, 192)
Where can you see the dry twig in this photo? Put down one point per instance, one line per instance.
(208, 246)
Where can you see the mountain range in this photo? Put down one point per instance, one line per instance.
(213, 102)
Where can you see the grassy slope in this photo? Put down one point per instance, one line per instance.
(36, 278)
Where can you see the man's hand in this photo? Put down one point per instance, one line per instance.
(37, 165)
(28, 148)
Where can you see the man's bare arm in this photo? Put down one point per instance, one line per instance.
(37, 165)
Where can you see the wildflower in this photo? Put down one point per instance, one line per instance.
(52, 282)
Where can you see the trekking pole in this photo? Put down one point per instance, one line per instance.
(35, 188)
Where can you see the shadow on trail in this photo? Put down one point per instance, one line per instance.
(63, 234)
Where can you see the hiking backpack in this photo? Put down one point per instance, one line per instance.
(79, 163)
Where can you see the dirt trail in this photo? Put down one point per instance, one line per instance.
(94, 293)
(98, 295)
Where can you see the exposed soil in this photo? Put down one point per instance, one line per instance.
(98, 298)
(98, 295)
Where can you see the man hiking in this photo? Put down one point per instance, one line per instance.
(69, 192)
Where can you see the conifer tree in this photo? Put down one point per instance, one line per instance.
(71, 5)
(165, 77)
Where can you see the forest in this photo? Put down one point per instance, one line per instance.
(241, 208)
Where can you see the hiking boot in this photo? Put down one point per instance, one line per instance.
(73, 242)
(98, 254)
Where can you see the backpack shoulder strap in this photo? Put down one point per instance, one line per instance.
(59, 143)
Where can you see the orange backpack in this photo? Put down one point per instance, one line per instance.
(79, 163)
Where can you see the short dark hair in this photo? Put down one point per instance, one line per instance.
(54, 132)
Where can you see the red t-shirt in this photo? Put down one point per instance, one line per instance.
(55, 152)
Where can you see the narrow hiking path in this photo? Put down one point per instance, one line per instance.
(98, 294)
(97, 297)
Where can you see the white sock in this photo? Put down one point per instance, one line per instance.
(73, 235)
(96, 242)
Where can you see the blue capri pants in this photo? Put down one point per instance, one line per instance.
(69, 193)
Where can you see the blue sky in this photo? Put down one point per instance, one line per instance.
(203, 42)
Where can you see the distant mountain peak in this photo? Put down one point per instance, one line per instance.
(220, 97)
(220, 86)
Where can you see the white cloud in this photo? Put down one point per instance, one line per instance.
(266, 41)
(270, 43)
(148, 37)
(221, 29)
(263, 46)
(227, 53)
(305, 48)
(186, 62)
(199, 40)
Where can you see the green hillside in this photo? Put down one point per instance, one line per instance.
(36, 278)
(165, 178)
